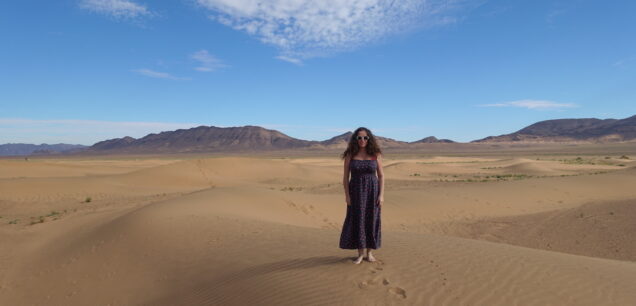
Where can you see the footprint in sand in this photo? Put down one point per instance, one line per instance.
(375, 269)
(396, 291)
(373, 282)
(399, 292)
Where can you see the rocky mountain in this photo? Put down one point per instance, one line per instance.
(567, 130)
(13, 149)
(115, 143)
(204, 139)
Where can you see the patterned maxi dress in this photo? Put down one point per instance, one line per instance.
(361, 228)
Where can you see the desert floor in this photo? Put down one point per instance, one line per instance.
(470, 229)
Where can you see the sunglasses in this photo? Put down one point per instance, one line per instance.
(362, 137)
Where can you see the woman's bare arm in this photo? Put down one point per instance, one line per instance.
(380, 174)
(345, 179)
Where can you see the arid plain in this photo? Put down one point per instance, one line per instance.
(491, 227)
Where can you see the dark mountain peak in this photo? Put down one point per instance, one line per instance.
(559, 126)
(433, 139)
(113, 143)
(565, 130)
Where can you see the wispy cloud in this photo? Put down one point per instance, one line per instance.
(115, 8)
(303, 29)
(533, 104)
(207, 61)
(553, 14)
(157, 74)
(624, 62)
(85, 132)
(290, 59)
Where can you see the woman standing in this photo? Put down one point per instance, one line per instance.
(364, 193)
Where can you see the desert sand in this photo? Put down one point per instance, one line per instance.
(486, 229)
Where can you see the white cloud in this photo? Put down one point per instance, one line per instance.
(303, 28)
(290, 59)
(533, 104)
(157, 74)
(207, 61)
(115, 8)
(86, 132)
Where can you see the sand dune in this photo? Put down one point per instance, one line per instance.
(237, 231)
(528, 168)
(19, 168)
(596, 229)
(159, 252)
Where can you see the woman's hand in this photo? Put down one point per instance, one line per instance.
(380, 200)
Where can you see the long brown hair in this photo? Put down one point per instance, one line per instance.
(353, 148)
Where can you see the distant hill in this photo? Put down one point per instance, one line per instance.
(13, 149)
(339, 141)
(342, 140)
(567, 130)
(433, 139)
(204, 139)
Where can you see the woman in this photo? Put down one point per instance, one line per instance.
(364, 194)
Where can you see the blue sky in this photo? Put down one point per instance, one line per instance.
(81, 71)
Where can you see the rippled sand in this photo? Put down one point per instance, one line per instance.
(457, 230)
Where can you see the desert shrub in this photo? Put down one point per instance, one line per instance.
(53, 213)
(37, 220)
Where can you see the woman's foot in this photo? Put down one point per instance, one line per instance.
(358, 260)
(370, 258)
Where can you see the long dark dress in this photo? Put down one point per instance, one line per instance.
(361, 228)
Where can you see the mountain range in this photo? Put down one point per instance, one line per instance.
(572, 130)
(254, 139)
(218, 139)
(12, 149)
